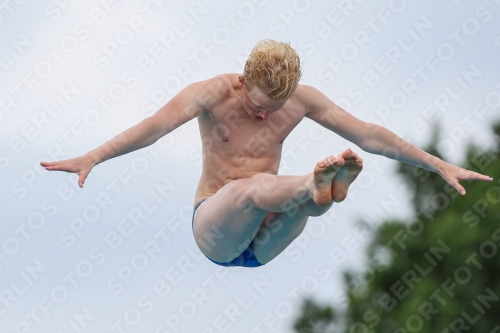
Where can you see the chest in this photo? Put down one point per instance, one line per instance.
(234, 132)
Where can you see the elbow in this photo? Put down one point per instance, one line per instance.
(152, 131)
(365, 146)
(371, 140)
(369, 145)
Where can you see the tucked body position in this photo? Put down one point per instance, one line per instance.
(244, 213)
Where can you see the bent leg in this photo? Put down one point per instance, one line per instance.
(226, 223)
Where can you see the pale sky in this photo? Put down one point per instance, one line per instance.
(74, 75)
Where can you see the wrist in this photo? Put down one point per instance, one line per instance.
(93, 158)
(438, 165)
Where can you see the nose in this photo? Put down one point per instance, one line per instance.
(263, 114)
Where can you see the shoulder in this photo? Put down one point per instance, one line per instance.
(210, 92)
(307, 94)
(221, 83)
(217, 85)
(309, 97)
(216, 89)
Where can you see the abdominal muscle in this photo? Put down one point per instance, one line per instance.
(217, 173)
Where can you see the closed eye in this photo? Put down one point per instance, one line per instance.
(260, 107)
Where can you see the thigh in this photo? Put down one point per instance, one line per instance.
(225, 223)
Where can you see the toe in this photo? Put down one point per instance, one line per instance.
(347, 154)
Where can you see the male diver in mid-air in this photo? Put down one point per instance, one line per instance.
(243, 120)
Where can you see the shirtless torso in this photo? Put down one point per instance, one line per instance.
(237, 146)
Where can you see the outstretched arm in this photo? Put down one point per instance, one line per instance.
(376, 139)
(191, 102)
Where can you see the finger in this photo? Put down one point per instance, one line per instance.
(459, 188)
(56, 168)
(48, 164)
(53, 163)
(81, 179)
(471, 175)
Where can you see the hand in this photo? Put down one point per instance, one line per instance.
(79, 165)
(452, 174)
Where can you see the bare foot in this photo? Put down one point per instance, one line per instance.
(346, 175)
(323, 175)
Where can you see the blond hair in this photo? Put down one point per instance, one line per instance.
(274, 67)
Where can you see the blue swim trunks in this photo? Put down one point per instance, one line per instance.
(245, 259)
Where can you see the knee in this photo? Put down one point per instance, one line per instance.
(263, 181)
(248, 189)
(243, 191)
(258, 183)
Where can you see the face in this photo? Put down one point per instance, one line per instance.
(258, 105)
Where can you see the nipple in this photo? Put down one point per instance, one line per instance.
(225, 139)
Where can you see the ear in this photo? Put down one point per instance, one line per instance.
(241, 79)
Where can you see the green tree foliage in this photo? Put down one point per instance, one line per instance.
(316, 319)
(439, 272)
